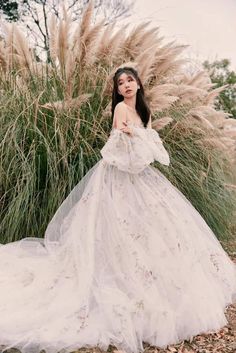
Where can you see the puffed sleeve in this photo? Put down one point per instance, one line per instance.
(160, 154)
(134, 153)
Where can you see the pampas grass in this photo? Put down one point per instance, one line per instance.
(55, 118)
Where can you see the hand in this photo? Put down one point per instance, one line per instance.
(126, 129)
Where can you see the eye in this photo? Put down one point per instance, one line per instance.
(131, 77)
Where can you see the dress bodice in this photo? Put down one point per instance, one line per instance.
(136, 124)
(132, 124)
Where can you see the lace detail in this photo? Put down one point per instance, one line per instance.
(134, 153)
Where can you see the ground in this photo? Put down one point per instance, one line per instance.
(222, 342)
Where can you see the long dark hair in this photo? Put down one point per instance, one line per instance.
(141, 106)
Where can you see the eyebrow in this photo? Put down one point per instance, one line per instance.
(129, 76)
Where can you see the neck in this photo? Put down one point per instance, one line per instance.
(131, 102)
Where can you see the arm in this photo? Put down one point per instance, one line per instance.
(132, 154)
(120, 119)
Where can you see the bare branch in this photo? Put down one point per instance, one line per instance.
(35, 15)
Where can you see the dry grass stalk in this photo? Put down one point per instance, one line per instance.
(137, 38)
(161, 97)
(105, 38)
(53, 38)
(228, 142)
(214, 142)
(69, 104)
(201, 80)
(111, 46)
(229, 123)
(86, 19)
(145, 63)
(200, 119)
(9, 47)
(230, 186)
(63, 43)
(159, 124)
(230, 133)
(23, 52)
(3, 59)
(89, 44)
(216, 118)
(103, 49)
(210, 98)
(189, 94)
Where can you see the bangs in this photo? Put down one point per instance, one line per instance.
(129, 75)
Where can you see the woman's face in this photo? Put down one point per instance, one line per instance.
(127, 85)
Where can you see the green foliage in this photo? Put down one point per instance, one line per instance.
(10, 9)
(221, 75)
(198, 172)
(43, 155)
(55, 119)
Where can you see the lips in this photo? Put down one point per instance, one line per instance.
(128, 91)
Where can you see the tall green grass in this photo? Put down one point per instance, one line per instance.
(45, 152)
(201, 173)
(54, 122)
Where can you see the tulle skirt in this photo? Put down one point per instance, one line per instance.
(125, 260)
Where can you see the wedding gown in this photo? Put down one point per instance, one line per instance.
(126, 259)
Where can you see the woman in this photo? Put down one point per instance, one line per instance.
(126, 259)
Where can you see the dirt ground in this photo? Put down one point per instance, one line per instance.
(223, 341)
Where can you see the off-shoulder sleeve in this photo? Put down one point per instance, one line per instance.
(134, 153)
(160, 154)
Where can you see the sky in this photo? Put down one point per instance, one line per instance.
(207, 26)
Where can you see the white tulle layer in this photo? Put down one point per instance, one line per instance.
(129, 261)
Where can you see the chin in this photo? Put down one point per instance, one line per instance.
(129, 95)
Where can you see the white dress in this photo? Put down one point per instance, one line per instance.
(126, 259)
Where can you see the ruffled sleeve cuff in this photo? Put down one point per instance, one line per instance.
(160, 154)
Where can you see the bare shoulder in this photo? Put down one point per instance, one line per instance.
(120, 115)
(120, 107)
